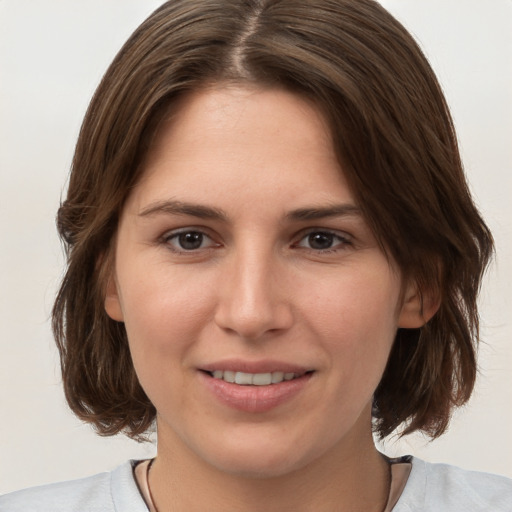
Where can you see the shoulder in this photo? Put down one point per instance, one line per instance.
(434, 487)
(113, 491)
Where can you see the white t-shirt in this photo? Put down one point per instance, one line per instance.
(429, 488)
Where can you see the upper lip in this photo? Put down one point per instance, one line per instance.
(267, 366)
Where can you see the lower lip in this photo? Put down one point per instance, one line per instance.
(255, 399)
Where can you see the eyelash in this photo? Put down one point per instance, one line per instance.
(343, 240)
(175, 235)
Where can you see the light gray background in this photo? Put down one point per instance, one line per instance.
(52, 55)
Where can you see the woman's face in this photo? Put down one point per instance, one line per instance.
(242, 255)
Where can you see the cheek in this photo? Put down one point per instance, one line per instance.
(361, 302)
(165, 315)
(164, 312)
(355, 318)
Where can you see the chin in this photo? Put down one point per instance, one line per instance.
(257, 460)
(258, 468)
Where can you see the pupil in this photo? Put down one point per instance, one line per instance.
(191, 240)
(320, 240)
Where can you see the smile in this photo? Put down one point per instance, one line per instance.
(257, 391)
(253, 379)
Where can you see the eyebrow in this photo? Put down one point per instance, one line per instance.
(171, 207)
(314, 213)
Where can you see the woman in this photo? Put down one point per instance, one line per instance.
(272, 253)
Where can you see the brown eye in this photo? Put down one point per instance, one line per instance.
(320, 241)
(188, 240)
(324, 241)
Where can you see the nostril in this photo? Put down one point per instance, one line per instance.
(252, 323)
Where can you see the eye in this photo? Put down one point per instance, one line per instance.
(188, 240)
(323, 241)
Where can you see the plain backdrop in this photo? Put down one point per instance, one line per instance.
(52, 56)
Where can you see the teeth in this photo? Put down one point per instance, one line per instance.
(243, 378)
(262, 379)
(253, 379)
(228, 376)
(277, 377)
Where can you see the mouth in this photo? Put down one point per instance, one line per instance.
(266, 387)
(255, 379)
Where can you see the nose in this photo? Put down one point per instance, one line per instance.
(253, 297)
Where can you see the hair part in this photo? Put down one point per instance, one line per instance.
(396, 144)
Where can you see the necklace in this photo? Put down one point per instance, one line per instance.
(149, 498)
(389, 478)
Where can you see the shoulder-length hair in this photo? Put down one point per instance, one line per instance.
(395, 140)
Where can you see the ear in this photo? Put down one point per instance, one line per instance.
(417, 308)
(112, 301)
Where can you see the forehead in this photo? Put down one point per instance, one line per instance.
(243, 141)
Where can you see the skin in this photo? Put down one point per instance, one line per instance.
(260, 286)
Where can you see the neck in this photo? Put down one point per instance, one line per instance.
(356, 480)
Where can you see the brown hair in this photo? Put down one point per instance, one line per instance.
(395, 139)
